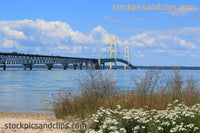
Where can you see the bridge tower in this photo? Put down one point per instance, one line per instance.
(126, 56)
(113, 49)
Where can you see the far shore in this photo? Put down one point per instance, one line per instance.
(10, 66)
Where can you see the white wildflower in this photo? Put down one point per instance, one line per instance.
(95, 120)
(175, 101)
(157, 121)
(190, 125)
(143, 127)
(136, 128)
(119, 106)
(196, 128)
(122, 130)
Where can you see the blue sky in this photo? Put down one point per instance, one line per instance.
(83, 28)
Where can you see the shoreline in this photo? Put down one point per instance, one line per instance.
(26, 115)
(30, 118)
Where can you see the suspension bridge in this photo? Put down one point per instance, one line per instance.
(28, 60)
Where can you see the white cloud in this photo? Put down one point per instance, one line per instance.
(100, 35)
(157, 40)
(168, 41)
(38, 50)
(194, 55)
(188, 45)
(139, 54)
(77, 48)
(8, 43)
(159, 51)
(63, 48)
(14, 33)
(173, 52)
(50, 33)
(142, 40)
(58, 37)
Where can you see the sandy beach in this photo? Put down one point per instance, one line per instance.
(35, 123)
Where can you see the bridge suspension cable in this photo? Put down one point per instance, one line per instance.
(115, 55)
(113, 41)
(126, 56)
(118, 53)
(106, 53)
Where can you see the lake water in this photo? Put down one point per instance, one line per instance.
(21, 91)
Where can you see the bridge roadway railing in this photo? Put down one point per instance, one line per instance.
(28, 60)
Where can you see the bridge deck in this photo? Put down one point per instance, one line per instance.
(30, 59)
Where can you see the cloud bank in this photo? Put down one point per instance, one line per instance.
(58, 38)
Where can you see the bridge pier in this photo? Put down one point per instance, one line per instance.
(81, 66)
(103, 65)
(115, 65)
(86, 64)
(65, 66)
(49, 66)
(95, 65)
(74, 66)
(4, 66)
(28, 66)
(92, 65)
